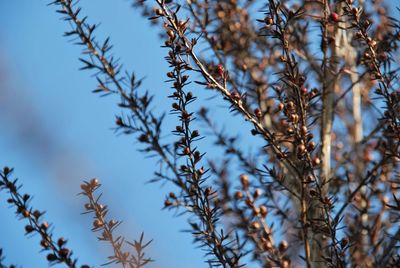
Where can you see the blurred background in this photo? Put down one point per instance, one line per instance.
(56, 133)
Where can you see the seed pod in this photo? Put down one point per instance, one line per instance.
(195, 134)
(28, 229)
(244, 180)
(257, 193)
(256, 211)
(94, 182)
(283, 245)
(301, 148)
(44, 244)
(167, 203)
(311, 146)
(186, 151)
(61, 241)
(44, 226)
(249, 202)
(97, 223)
(159, 12)
(268, 21)
(171, 34)
(26, 213)
(255, 225)
(235, 96)
(37, 214)
(334, 17)
(303, 130)
(51, 257)
(238, 195)
(263, 211)
(64, 252)
(294, 118)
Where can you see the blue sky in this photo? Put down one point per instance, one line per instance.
(56, 133)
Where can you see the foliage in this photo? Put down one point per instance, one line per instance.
(315, 82)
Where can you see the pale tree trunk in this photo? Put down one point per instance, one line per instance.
(330, 81)
(350, 54)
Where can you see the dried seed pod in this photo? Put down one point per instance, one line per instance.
(97, 223)
(51, 257)
(159, 12)
(303, 130)
(334, 17)
(290, 105)
(244, 180)
(249, 202)
(171, 34)
(255, 225)
(44, 225)
(263, 211)
(186, 151)
(301, 149)
(235, 95)
(29, 229)
(167, 203)
(256, 211)
(294, 118)
(268, 21)
(283, 245)
(311, 146)
(238, 195)
(257, 193)
(316, 161)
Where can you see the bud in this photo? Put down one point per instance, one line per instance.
(311, 146)
(28, 229)
(244, 180)
(64, 252)
(167, 203)
(283, 245)
(303, 130)
(334, 17)
(238, 195)
(263, 211)
(44, 226)
(159, 12)
(257, 193)
(97, 223)
(51, 257)
(255, 225)
(268, 21)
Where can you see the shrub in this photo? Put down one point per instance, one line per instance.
(315, 83)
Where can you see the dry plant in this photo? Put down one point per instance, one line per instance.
(314, 82)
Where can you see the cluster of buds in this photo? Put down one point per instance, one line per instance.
(58, 251)
(250, 198)
(106, 227)
(170, 199)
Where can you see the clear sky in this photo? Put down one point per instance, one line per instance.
(56, 133)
